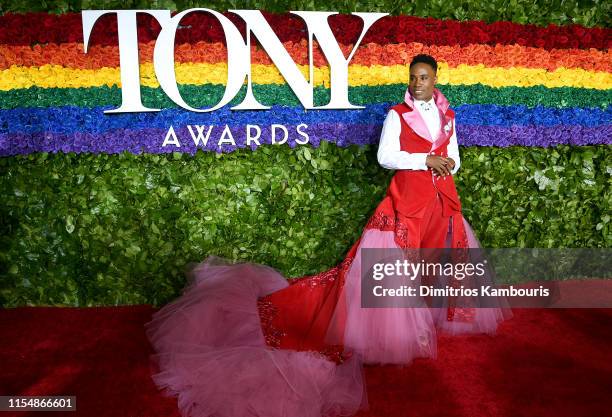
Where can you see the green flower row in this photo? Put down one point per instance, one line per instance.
(210, 94)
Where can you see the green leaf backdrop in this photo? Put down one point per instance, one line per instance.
(119, 229)
(540, 12)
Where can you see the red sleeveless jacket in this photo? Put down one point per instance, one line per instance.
(411, 190)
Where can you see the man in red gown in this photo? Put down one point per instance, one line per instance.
(421, 207)
(419, 141)
(213, 343)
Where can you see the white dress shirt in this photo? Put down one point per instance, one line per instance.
(389, 154)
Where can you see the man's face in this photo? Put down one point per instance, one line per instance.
(422, 81)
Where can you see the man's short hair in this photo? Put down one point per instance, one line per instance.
(425, 59)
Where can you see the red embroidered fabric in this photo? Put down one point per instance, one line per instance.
(277, 331)
(387, 223)
(308, 303)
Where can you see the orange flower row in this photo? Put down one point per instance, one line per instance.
(503, 56)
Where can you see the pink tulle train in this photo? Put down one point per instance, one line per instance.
(212, 355)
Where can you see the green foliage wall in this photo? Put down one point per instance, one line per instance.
(119, 229)
(539, 12)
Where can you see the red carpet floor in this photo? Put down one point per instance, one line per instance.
(554, 362)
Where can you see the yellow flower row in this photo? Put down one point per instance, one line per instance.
(54, 76)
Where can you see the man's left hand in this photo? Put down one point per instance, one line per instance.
(450, 164)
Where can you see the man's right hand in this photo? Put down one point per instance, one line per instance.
(439, 164)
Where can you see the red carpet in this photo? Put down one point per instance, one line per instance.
(553, 362)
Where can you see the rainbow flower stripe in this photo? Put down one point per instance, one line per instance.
(510, 84)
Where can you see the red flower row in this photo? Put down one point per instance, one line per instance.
(70, 55)
(34, 28)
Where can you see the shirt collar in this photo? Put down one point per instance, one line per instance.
(440, 101)
(430, 101)
(425, 105)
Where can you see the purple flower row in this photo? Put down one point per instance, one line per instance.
(152, 140)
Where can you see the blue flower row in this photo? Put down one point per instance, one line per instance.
(68, 120)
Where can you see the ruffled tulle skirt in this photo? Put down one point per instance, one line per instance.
(242, 341)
